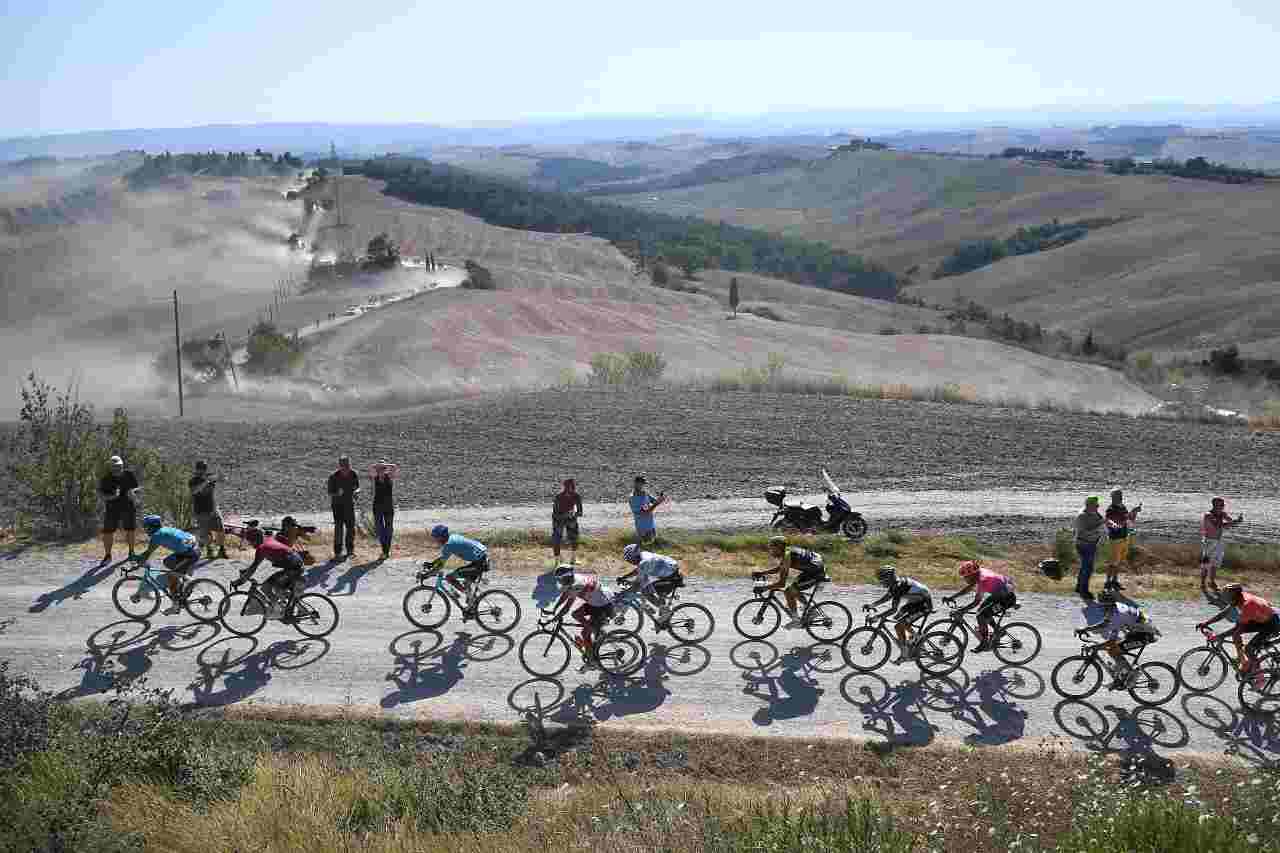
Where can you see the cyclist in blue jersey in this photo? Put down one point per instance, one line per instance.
(185, 550)
(473, 554)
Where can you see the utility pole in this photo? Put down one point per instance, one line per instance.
(230, 359)
(177, 349)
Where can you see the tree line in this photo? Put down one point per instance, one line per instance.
(1025, 241)
(233, 164)
(1197, 168)
(688, 243)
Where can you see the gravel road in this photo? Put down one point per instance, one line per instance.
(60, 626)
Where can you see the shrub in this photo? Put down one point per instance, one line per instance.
(645, 366)
(635, 367)
(860, 827)
(1064, 548)
(881, 546)
(608, 368)
(270, 351)
(444, 796)
(478, 277)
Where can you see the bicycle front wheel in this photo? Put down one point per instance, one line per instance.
(545, 654)
(1077, 677)
(1017, 643)
(627, 616)
(1154, 683)
(828, 621)
(620, 652)
(243, 614)
(691, 623)
(497, 611)
(939, 654)
(314, 615)
(136, 597)
(757, 618)
(203, 599)
(426, 607)
(1202, 669)
(866, 649)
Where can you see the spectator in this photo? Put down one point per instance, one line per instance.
(565, 512)
(1091, 529)
(204, 510)
(384, 507)
(119, 489)
(642, 507)
(1212, 547)
(344, 485)
(1119, 536)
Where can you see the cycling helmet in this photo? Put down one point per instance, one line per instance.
(777, 543)
(631, 554)
(440, 532)
(253, 535)
(1218, 500)
(969, 569)
(152, 523)
(887, 575)
(564, 574)
(288, 522)
(1106, 598)
(1232, 592)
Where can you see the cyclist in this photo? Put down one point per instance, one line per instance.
(656, 576)
(596, 609)
(1000, 597)
(277, 551)
(185, 553)
(911, 599)
(474, 555)
(808, 563)
(1127, 627)
(1257, 617)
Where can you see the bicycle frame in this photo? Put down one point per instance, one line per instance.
(445, 588)
(1095, 651)
(959, 615)
(771, 596)
(157, 579)
(916, 623)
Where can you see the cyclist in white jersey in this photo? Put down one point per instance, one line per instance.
(655, 576)
(596, 609)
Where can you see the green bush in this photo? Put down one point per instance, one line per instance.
(645, 366)
(880, 546)
(608, 368)
(861, 827)
(1064, 548)
(1153, 822)
(270, 351)
(444, 796)
(636, 367)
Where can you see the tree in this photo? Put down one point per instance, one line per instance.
(478, 278)
(661, 277)
(733, 295)
(1089, 347)
(383, 251)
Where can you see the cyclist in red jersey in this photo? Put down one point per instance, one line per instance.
(1257, 617)
(596, 609)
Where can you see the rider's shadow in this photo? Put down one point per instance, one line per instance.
(107, 667)
(351, 577)
(639, 694)
(790, 694)
(318, 573)
(895, 714)
(995, 720)
(241, 676)
(416, 681)
(1251, 737)
(78, 587)
(545, 590)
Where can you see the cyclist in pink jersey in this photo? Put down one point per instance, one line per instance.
(999, 592)
(1257, 617)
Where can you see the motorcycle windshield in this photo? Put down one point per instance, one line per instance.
(832, 488)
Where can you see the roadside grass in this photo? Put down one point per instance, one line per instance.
(1154, 570)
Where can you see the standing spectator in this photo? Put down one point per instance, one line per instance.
(565, 512)
(1091, 529)
(642, 507)
(1212, 547)
(204, 509)
(1119, 536)
(384, 506)
(344, 485)
(119, 489)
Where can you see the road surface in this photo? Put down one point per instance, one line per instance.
(60, 626)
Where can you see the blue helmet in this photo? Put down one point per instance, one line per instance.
(440, 531)
(152, 523)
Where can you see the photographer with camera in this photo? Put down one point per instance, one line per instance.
(204, 511)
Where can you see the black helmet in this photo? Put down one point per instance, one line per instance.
(288, 522)
(564, 574)
(887, 574)
(1106, 598)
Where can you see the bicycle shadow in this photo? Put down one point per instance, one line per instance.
(624, 696)
(489, 647)
(77, 588)
(422, 670)
(536, 701)
(788, 694)
(894, 714)
(1249, 736)
(545, 591)
(244, 669)
(1135, 734)
(318, 574)
(994, 718)
(351, 577)
(123, 652)
(682, 659)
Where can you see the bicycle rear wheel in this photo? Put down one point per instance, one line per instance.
(757, 618)
(314, 615)
(497, 611)
(545, 654)
(1201, 670)
(426, 607)
(243, 614)
(1262, 695)
(1077, 677)
(627, 616)
(203, 599)
(828, 621)
(136, 597)
(866, 649)
(939, 654)
(1154, 683)
(1017, 643)
(620, 652)
(691, 623)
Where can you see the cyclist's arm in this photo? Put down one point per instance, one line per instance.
(253, 567)
(1087, 629)
(146, 555)
(961, 592)
(882, 599)
(1218, 617)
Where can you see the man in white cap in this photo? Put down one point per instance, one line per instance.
(119, 489)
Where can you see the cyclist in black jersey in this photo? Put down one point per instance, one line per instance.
(911, 599)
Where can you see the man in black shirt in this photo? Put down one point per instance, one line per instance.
(344, 485)
(204, 511)
(119, 489)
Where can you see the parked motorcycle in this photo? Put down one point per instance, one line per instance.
(807, 518)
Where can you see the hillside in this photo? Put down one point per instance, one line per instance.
(1178, 275)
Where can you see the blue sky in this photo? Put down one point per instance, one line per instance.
(72, 65)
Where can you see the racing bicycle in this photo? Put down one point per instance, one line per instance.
(428, 605)
(687, 623)
(138, 594)
(1014, 643)
(761, 615)
(548, 650)
(1079, 676)
(866, 649)
(1204, 668)
(312, 614)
